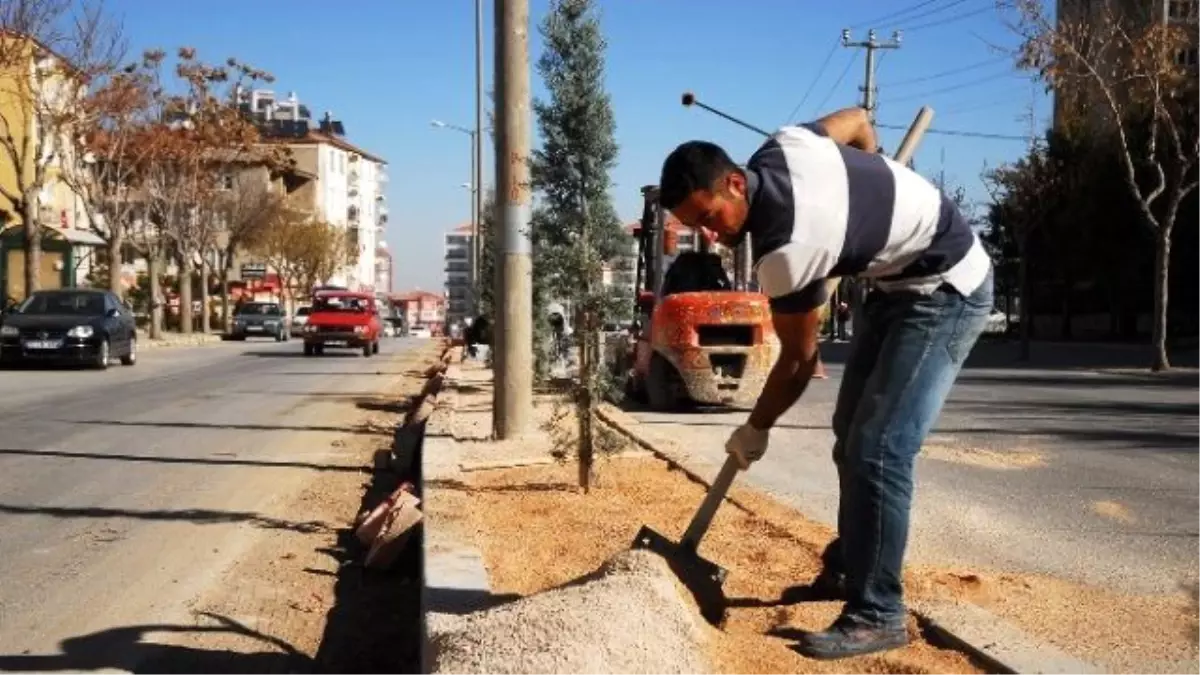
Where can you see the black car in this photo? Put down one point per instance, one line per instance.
(78, 326)
(260, 319)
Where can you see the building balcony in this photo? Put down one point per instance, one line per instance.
(382, 178)
(352, 214)
(352, 179)
(457, 254)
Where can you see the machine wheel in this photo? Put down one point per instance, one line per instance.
(660, 385)
(367, 349)
(309, 350)
(375, 347)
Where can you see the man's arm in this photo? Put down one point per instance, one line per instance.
(850, 127)
(794, 369)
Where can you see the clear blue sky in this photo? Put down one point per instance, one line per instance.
(388, 67)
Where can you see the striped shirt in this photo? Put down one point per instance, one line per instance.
(820, 210)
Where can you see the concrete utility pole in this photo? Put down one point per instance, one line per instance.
(513, 391)
(872, 45)
(856, 290)
(477, 178)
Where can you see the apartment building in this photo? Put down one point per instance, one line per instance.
(383, 268)
(457, 257)
(622, 272)
(40, 80)
(350, 190)
(421, 309)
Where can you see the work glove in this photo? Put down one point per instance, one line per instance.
(747, 444)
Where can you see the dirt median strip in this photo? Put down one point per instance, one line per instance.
(1056, 617)
(300, 600)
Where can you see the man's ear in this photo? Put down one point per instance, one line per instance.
(735, 184)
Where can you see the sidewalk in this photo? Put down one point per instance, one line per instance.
(177, 339)
(524, 537)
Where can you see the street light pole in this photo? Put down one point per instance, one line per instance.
(477, 177)
(513, 402)
(475, 209)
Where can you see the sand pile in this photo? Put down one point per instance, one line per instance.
(629, 618)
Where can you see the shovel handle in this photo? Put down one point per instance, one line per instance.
(708, 508)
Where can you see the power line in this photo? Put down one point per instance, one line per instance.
(935, 10)
(947, 73)
(951, 88)
(892, 15)
(952, 19)
(955, 132)
(813, 84)
(833, 89)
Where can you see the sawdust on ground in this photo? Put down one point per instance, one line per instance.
(537, 531)
(298, 592)
(983, 458)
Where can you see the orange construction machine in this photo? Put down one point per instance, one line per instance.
(697, 338)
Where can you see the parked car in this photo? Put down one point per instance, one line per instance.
(420, 332)
(78, 326)
(300, 318)
(260, 319)
(342, 319)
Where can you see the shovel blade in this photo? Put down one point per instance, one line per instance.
(704, 579)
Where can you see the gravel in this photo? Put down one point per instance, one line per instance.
(630, 617)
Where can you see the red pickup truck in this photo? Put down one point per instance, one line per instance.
(342, 319)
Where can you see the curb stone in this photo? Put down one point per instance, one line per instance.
(454, 578)
(173, 340)
(1001, 646)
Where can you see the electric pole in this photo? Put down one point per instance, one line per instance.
(513, 387)
(856, 289)
(872, 45)
(477, 178)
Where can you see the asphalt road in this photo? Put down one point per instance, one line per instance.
(125, 493)
(1054, 467)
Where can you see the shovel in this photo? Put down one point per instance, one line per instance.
(702, 577)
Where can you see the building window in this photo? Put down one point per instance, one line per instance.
(227, 181)
(1186, 57)
(1181, 10)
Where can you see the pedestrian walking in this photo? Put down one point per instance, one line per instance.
(818, 201)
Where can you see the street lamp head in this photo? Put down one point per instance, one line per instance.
(688, 98)
(437, 123)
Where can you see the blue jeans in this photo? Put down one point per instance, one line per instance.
(904, 356)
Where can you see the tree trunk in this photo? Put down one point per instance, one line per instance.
(587, 445)
(1026, 310)
(187, 267)
(115, 244)
(226, 319)
(156, 299)
(1162, 268)
(205, 315)
(33, 247)
(1068, 288)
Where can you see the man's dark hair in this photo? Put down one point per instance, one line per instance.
(695, 165)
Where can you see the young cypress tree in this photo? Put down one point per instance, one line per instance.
(575, 228)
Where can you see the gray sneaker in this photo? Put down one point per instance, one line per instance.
(849, 637)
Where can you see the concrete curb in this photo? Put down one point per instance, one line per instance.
(997, 644)
(177, 340)
(454, 578)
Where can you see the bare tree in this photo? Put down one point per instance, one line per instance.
(108, 176)
(245, 213)
(1119, 66)
(283, 243)
(52, 49)
(321, 251)
(200, 135)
